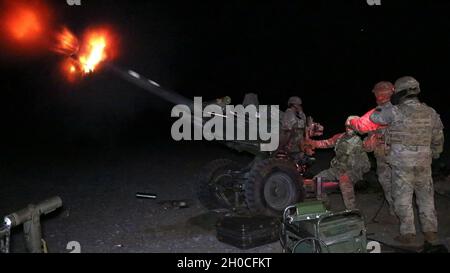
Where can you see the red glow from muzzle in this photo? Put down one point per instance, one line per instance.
(25, 24)
(26, 27)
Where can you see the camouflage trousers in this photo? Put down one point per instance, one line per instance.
(384, 173)
(346, 185)
(407, 181)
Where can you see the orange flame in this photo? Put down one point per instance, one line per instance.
(28, 27)
(94, 52)
(71, 68)
(67, 43)
(87, 55)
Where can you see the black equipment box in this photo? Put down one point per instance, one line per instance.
(247, 232)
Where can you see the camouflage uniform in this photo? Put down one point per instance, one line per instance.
(384, 173)
(376, 142)
(293, 130)
(348, 166)
(415, 135)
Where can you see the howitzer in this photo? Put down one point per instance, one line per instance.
(267, 184)
(29, 217)
(250, 146)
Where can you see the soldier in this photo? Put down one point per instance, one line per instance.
(376, 142)
(415, 137)
(292, 127)
(349, 164)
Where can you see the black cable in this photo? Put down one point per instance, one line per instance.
(392, 246)
(318, 248)
(282, 236)
(373, 220)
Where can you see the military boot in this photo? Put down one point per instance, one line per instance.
(431, 237)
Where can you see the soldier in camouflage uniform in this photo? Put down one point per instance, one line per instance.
(415, 138)
(376, 142)
(293, 125)
(348, 166)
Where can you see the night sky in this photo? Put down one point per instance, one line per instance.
(330, 53)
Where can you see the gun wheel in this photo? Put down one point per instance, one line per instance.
(273, 185)
(216, 186)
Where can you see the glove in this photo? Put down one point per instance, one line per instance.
(309, 144)
(308, 147)
(370, 143)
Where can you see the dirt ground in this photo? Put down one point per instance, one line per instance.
(102, 213)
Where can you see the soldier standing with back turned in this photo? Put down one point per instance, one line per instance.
(416, 137)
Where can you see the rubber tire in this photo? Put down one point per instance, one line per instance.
(254, 187)
(214, 168)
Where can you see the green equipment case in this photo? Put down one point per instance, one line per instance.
(309, 228)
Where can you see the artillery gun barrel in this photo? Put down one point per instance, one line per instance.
(155, 89)
(150, 86)
(198, 122)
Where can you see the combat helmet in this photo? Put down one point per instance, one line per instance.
(295, 101)
(383, 87)
(383, 92)
(407, 85)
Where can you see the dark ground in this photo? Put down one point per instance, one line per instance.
(101, 212)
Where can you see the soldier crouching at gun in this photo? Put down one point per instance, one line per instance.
(348, 166)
